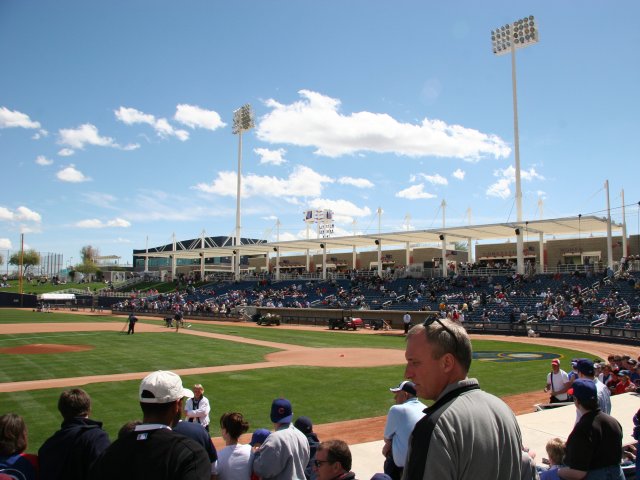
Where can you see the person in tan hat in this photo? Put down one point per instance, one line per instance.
(557, 383)
(153, 449)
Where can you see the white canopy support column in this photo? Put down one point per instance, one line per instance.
(625, 253)
(444, 255)
(379, 244)
(541, 253)
(146, 258)
(471, 258)
(173, 260)
(407, 254)
(324, 261)
(306, 260)
(277, 250)
(202, 257)
(266, 262)
(519, 250)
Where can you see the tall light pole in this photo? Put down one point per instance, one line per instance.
(507, 39)
(242, 121)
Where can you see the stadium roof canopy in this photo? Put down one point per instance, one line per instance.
(570, 226)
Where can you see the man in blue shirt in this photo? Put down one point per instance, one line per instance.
(401, 419)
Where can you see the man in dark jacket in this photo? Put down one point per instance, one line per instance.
(153, 450)
(69, 452)
(305, 425)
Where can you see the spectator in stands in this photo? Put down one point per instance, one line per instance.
(13, 443)
(70, 452)
(555, 452)
(594, 447)
(585, 368)
(624, 384)
(234, 460)
(305, 425)
(285, 453)
(333, 461)
(197, 433)
(153, 449)
(438, 356)
(401, 419)
(557, 383)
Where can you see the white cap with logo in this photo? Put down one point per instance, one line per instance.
(162, 387)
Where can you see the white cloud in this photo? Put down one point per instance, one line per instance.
(344, 211)
(42, 133)
(5, 214)
(507, 176)
(95, 223)
(315, 121)
(104, 200)
(71, 174)
(459, 174)
(66, 152)
(195, 117)
(270, 157)
(131, 146)
(86, 134)
(5, 244)
(28, 215)
(131, 116)
(414, 192)
(13, 118)
(302, 182)
(21, 214)
(165, 129)
(355, 182)
(42, 160)
(436, 179)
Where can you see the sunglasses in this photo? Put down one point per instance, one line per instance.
(431, 320)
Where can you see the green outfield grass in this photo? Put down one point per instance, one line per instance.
(324, 394)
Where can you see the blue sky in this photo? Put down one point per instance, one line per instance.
(115, 117)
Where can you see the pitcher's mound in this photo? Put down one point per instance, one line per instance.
(38, 348)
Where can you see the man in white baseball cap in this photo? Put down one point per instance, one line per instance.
(153, 449)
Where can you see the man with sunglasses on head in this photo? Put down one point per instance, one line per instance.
(333, 461)
(466, 433)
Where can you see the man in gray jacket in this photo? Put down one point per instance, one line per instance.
(285, 453)
(467, 433)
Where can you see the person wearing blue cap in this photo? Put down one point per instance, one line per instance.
(594, 447)
(285, 453)
(587, 370)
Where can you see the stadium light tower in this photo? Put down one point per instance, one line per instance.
(507, 39)
(242, 122)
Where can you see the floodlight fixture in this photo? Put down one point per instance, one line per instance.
(517, 231)
(243, 119)
(377, 242)
(516, 35)
(322, 245)
(441, 237)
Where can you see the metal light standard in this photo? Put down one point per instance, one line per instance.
(505, 39)
(242, 121)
